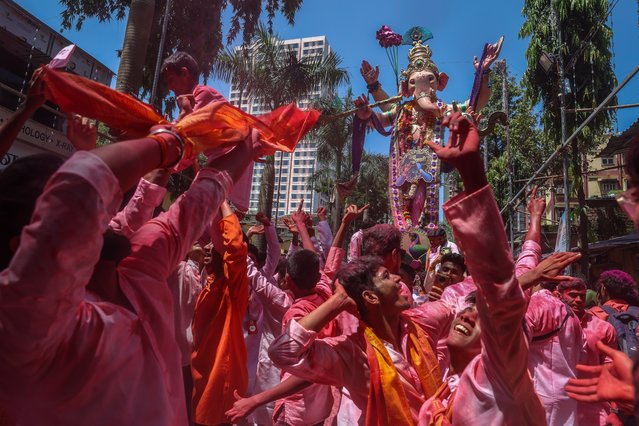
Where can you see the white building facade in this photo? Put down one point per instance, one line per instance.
(292, 171)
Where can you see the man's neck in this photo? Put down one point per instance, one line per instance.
(459, 360)
(386, 328)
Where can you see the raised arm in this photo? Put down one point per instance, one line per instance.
(272, 245)
(371, 77)
(531, 249)
(300, 218)
(324, 230)
(139, 210)
(162, 242)
(474, 215)
(46, 278)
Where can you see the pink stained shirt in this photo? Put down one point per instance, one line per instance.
(139, 210)
(595, 330)
(496, 387)
(313, 404)
(204, 95)
(273, 303)
(342, 362)
(553, 360)
(185, 284)
(64, 358)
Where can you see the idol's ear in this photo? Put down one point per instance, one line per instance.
(442, 81)
(404, 89)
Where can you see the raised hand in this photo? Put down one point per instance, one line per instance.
(462, 150)
(292, 227)
(536, 206)
(81, 132)
(300, 217)
(365, 111)
(353, 212)
(241, 408)
(492, 53)
(549, 269)
(185, 103)
(370, 74)
(348, 304)
(321, 213)
(255, 230)
(261, 217)
(611, 382)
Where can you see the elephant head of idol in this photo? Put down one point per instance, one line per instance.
(421, 79)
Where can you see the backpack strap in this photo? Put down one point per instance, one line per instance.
(548, 335)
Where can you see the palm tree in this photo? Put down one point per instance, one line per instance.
(333, 140)
(136, 40)
(277, 76)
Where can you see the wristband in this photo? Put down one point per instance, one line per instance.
(164, 147)
(374, 87)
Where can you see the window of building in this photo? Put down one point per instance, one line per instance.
(296, 170)
(294, 196)
(296, 179)
(607, 161)
(296, 162)
(282, 205)
(609, 186)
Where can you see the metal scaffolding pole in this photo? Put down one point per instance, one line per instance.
(574, 135)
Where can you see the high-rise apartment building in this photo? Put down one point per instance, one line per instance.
(292, 171)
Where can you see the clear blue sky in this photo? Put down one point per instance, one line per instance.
(460, 30)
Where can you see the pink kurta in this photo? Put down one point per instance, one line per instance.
(553, 360)
(185, 284)
(313, 404)
(595, 330)
(342, 362)
(64, 359)
(495, 388)
(139, 210)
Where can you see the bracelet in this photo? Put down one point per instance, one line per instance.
(374, 87)
(164, 147)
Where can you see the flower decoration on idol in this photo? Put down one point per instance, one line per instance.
(390, 41)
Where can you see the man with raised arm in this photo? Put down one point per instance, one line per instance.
(113, 360)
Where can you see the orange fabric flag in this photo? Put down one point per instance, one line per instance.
(217, 125)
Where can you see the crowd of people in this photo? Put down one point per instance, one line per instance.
(117, 313)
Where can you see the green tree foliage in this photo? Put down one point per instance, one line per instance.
(334, 157)
(529, 145)
(575, 31)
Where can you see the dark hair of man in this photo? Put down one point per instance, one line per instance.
(618, 285)
(408, 270)
(115, 247)
(575, 283)
(357, 277)
(471, 298)
(380, 240)
(455, 259)
(304, 269)
(180, 60)
(20, 186)
(282, 266)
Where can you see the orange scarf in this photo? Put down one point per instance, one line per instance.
(387, 402)
(217, 125)
(442, 415)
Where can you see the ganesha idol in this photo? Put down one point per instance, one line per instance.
(414, 169)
